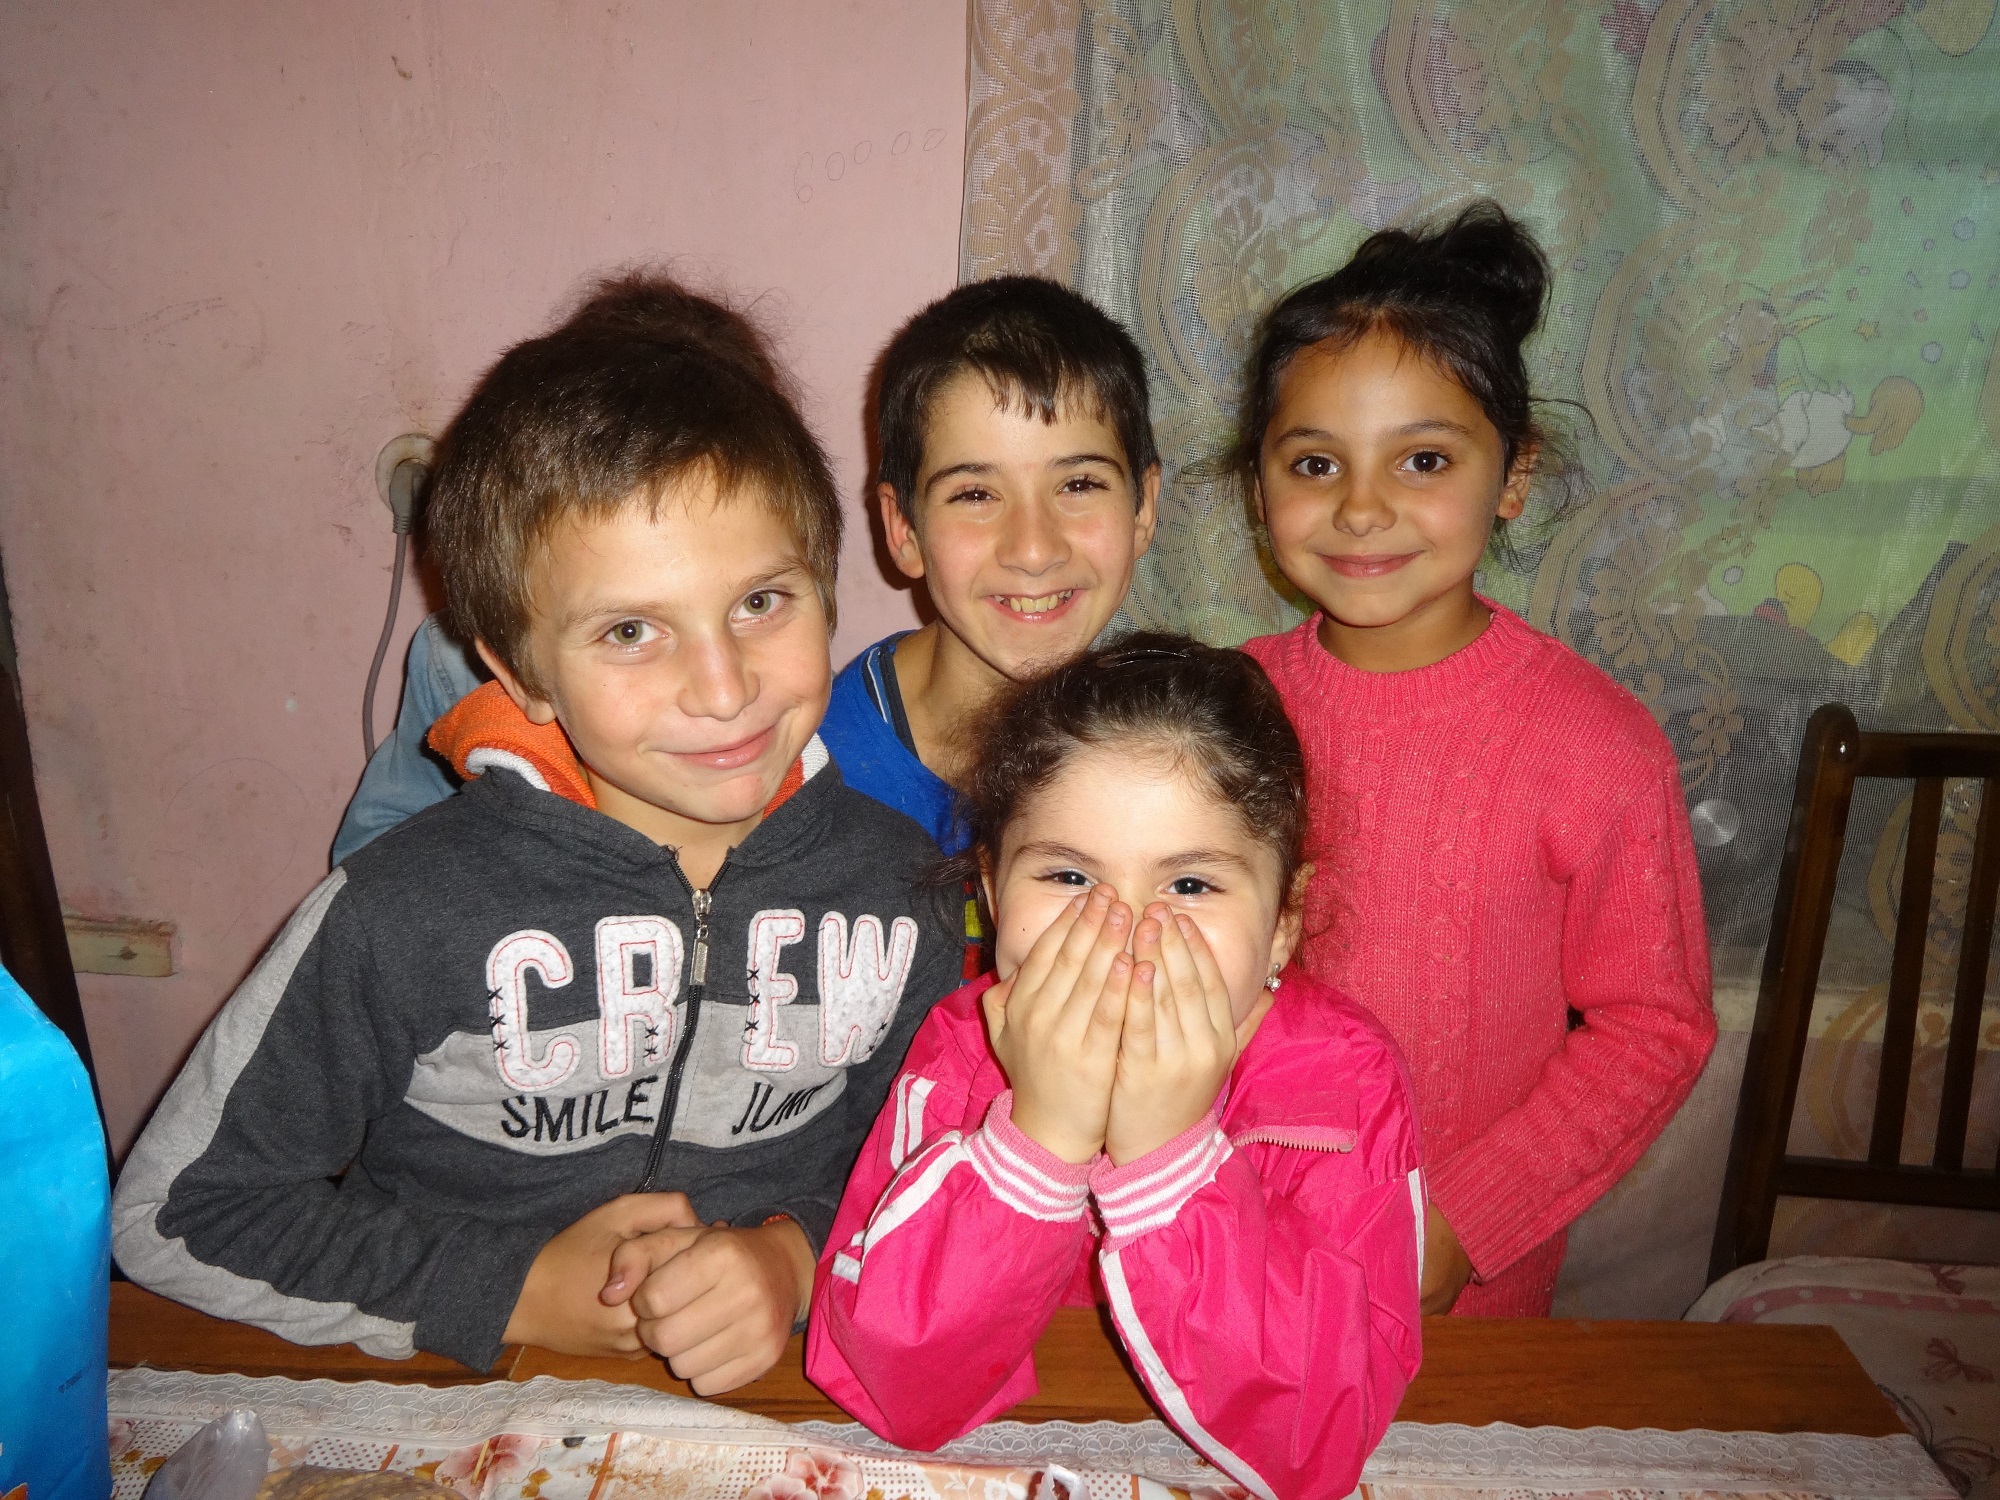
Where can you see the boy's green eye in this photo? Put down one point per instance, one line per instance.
(628, 633)
(760, 603)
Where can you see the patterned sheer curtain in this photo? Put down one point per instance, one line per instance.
(1776, 231)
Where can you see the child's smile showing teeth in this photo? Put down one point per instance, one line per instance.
(1036, 604)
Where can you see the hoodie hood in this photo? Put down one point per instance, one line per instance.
(486, 729)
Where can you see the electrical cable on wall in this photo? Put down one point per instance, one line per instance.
(382, 646)
(401, 474)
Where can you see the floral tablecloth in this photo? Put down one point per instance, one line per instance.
(546, 1439)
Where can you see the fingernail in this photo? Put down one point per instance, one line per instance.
(1185, 923)
(1118, 916)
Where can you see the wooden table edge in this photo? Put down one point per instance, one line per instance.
(1530, 1372)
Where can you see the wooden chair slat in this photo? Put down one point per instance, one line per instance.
(1975, 951)
(1858, 1182)
(1813, 842)
(1916, 756)
(1906, 974)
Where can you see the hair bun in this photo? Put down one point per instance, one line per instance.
(1490, 259)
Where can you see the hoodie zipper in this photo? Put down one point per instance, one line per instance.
(697, 987)
(1286, 1139)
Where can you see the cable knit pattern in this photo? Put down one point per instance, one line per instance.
(1498, 838)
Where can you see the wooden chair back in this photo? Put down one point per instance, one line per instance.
(1835, 754)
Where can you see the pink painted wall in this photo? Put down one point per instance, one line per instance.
(247, 244)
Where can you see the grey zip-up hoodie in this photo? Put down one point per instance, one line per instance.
(509, 1011)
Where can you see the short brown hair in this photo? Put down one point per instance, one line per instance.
(643, 385)
(1040, 347)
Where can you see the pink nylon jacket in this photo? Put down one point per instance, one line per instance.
(1262, 1268)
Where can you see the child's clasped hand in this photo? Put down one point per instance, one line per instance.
(643, 1272)
(718, 1303)
(558, 1307)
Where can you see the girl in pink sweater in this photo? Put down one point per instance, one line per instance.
(1144, 1106)
(1501, 842)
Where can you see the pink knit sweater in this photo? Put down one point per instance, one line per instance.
(1501, 837)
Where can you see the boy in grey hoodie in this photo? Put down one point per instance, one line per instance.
(650, 973)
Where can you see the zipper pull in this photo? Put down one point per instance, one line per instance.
(702, 902)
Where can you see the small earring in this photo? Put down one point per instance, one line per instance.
(1271, 984)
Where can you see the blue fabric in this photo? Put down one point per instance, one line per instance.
(873, 760)
(55, 1262)
(404, 776)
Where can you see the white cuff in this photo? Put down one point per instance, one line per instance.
(1022, 1173)
(1147, 1193)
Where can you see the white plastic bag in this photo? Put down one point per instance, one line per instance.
(226, 1460)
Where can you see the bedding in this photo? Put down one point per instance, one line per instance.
(1927, 1334)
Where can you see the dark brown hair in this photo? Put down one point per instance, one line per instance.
(1041, 347)
(1211, 711)
(645, 384)
(1463, 295)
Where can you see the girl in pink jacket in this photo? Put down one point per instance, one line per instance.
(1143, 1106)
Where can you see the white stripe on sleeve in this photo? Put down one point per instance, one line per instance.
(1417, 1205)
(1165, 1389)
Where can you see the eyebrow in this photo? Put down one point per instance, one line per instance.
(1433, 424)
(1206, 857)
(1078, 460)
(1049, 849)
(977, 469)
(1408, 429)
